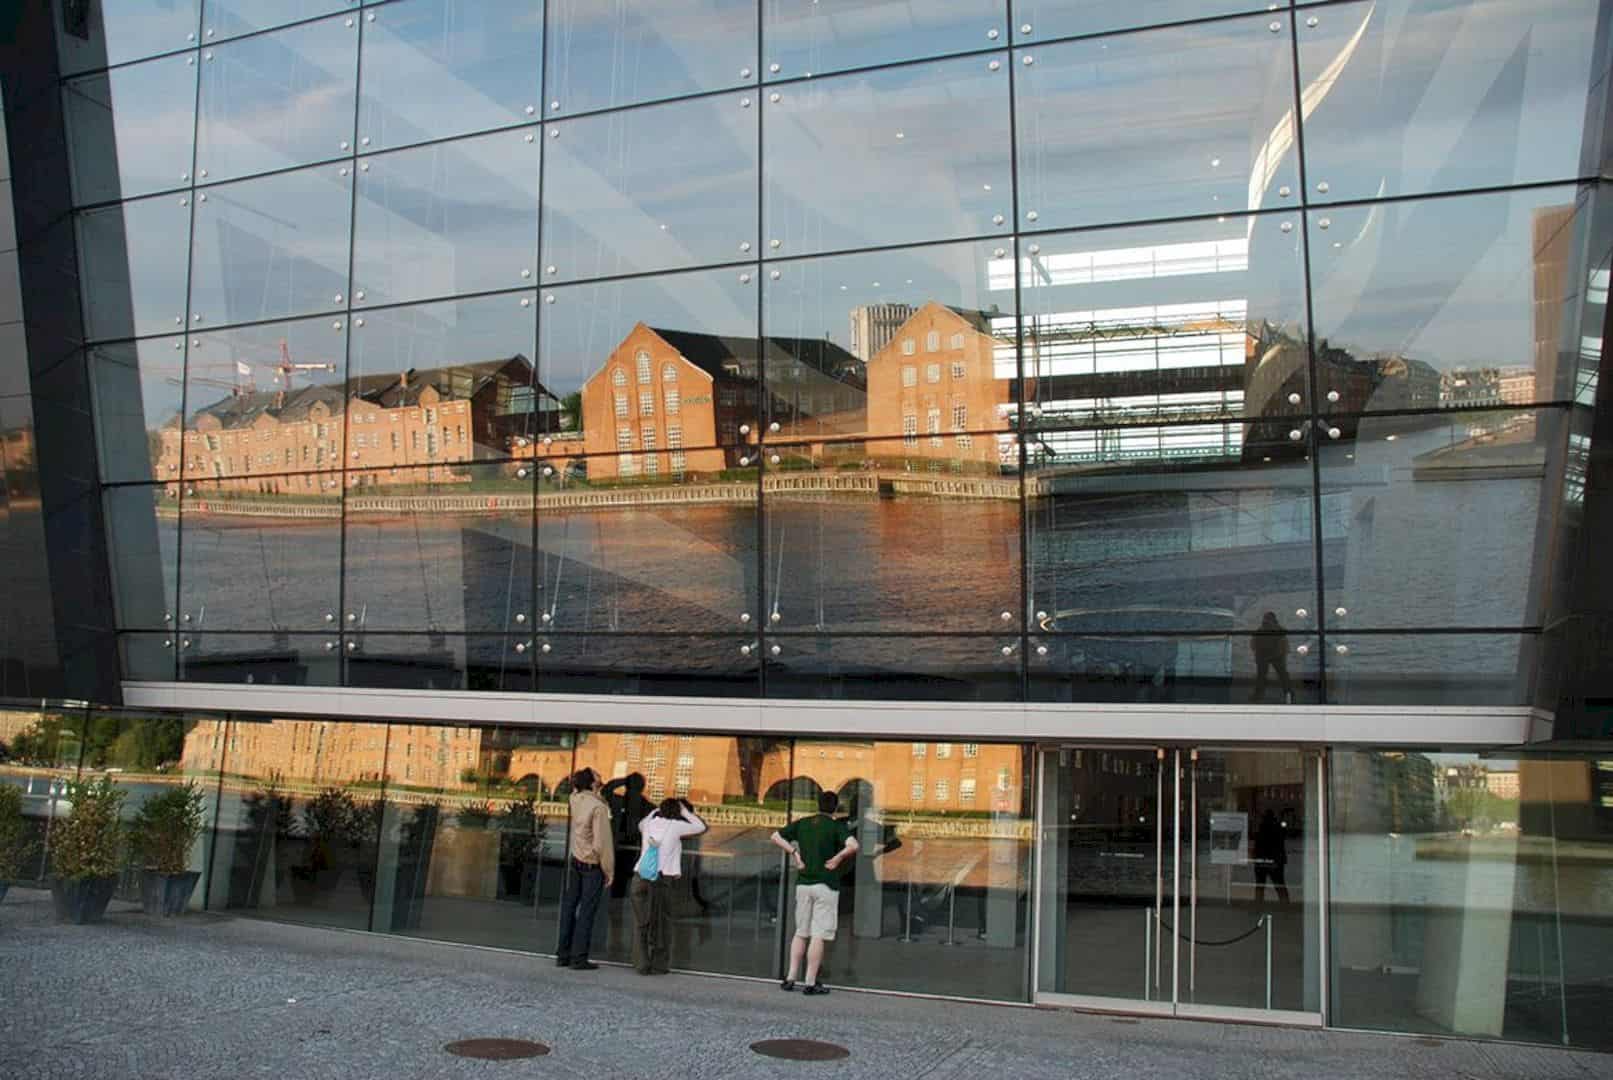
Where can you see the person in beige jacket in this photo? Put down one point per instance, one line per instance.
(593, 868)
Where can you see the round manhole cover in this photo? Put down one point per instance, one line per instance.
(800, 1050)
(496, 1049)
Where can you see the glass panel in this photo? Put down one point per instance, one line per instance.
(148, 656)
(1208, 126)
(1199, 527)
(724, 897)
(150, 755)
(1274, 668)
(1107, 879)
(604, 55)
(116, 31)
(1470, 487)
(450, 218)
(230, 18)
(133, 271)
(894, 667)
(679, 665)
(873, 343)
(137, 388)
(655, 550)
(1456, 906)
(299, 824)
(271, 248)
(816, 37)
(262, 400)
(130, 130)
(261, 659)
(597, 341)
(1251, 882)
(1194, 320)
(435, 68)
(42, 752)
(465, 357)
(1044, 19)
(277, 100)
(1512, 85)
(261, 553)
(936, 899)
(877, 158)
(901, 536)
(474, 841)
(1468, 301)
(608, 208)
(143, 541)
(440, 548)
(1430, 669)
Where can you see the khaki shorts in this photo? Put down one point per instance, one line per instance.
(817, 912)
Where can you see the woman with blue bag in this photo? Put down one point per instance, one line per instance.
(659, 868)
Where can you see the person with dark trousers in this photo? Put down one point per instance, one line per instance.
(1270, 646)
(1271, 857)
(593, 867)
(628, 807)
(663, 831)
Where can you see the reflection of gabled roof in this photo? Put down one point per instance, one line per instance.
(724, 357)
(242, 410)
(452, 382)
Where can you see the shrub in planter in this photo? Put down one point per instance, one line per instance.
(13, 836)
(165, 829)
(520, 843)
(334, 828)
(86, 851)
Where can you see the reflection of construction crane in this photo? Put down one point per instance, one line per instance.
(285, 369)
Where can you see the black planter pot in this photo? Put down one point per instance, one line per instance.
(82, 900)
(166, 894)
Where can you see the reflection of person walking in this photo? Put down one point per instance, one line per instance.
(1271, 856)
(662, 833)
(1271, 651)
(818, 845)
(593, 866)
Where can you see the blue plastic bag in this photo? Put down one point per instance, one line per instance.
(649, 863)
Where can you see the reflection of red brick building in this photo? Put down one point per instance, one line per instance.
(436, 417)
(936, 384)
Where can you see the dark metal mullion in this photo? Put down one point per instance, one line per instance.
(1313, 426)
(763, 541)
(380, 828)
(535, 623)
(347, 367)
(211, 863)
(1019, 368)
(175, 623)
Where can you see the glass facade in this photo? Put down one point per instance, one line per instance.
(988, 361)
(1167, 403)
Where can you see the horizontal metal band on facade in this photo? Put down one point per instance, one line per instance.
(1277, 724)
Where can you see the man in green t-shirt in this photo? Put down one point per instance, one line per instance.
(818, 845)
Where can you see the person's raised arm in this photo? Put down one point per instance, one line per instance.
(697, 823)
(851, 848)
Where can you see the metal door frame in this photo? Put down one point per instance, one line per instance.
(1180, 756)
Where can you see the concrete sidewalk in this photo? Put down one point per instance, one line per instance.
(215, 996)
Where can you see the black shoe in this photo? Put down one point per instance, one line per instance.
(584, 964)
(786, 985)
(562, 961)
(814, 989)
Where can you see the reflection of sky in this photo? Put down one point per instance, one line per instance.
(834, 35)
(138, 117)
(435, 335)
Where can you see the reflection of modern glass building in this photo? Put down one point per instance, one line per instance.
(1149, 460)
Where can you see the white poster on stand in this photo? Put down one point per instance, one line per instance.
(1229, 838)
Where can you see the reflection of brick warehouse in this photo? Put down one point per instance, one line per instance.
(668, 402)
(936, 383)
(335, 752)
(440, 416)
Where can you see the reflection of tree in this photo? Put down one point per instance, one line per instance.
(571, 405)
(39, 744)
(753, 754)
(150, 743)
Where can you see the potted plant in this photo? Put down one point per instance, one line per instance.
(87, 851)
(165, 829)
(520, 842)
(330, 824)
(369, 819)
(13, 837)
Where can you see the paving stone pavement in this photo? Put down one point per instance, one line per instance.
(217, 996)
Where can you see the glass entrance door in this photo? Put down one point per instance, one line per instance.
(1181, 880)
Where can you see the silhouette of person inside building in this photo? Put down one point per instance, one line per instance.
(1270, 646)
(1271, 857)
(628, 806)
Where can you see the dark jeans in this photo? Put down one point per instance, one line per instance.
(652, 925)
(584, 887)
(1276, 874)
(1279, 664)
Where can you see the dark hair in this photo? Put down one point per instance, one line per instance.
(828, 802)
(671, 808)
(583, 779)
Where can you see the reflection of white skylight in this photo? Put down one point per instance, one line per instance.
(1596, 293)
(1124, 264)
(1147, 443)
(1151, 337)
